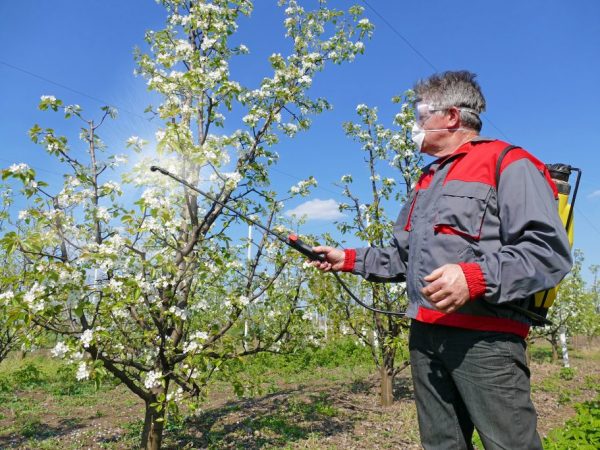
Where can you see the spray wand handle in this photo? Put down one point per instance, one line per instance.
(298, 244)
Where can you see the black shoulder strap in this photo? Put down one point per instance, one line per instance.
(499, 162)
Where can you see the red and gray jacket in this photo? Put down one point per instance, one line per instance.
(508, 239)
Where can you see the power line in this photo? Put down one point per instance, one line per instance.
(75, 91)
(424, 58)
(397, 33)
(39, 169)
(590, 223)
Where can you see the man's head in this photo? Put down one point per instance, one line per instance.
(448, 108)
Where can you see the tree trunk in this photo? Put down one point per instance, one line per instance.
(153, 426)
(387, 386)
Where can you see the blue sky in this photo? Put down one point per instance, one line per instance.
(537, 62)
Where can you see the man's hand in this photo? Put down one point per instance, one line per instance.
(447, 289)
(334, 258)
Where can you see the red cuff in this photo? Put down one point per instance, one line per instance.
(475, 280)
(349, 258)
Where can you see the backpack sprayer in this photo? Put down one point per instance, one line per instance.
(291, 240)
(560, 174)
(540, 302)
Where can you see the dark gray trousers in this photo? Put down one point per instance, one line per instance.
(467, 379)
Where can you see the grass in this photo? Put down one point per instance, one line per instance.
(317, 398)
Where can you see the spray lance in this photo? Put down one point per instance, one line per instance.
(291, 240)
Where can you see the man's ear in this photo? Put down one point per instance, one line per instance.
(453, 117)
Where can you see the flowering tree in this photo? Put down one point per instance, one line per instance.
(157, 293)
(15, 330)
(595, 270)
(386, 335)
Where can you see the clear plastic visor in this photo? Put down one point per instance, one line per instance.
(424, 111)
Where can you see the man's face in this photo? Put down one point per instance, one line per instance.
(436, 120)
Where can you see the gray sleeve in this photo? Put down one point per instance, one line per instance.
(536, 254)
(386, 264)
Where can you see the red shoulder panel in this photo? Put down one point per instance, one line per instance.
(478, 163)
(517, 154)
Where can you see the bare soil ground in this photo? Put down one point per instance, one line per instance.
(328, 410)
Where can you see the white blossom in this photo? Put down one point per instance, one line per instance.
(32, 298)
(86, 338)
(8, 295)
(153, 379)
(199, 335)
(18, 168)
(83, 373)
(154, 198)
(250, 120)
(178, 312)
(116, 286)
(305, 80)
(302, 186)
(60, 350)
(135, 141)
(53, 146)
(289, 128)
(183, 46)
(233, 178)
(102, 213)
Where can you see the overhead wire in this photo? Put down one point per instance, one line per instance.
(423, 57)
(75, 91)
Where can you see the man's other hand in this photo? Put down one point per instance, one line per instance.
(447, 289)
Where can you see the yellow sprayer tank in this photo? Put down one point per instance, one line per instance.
(560, 174)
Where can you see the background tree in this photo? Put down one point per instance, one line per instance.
(385, 335)
(569, 309)
(595, 269)
(15, 331)
(156, 294)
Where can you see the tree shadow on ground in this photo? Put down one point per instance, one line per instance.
(403, 388)
(272, 420)
(38, 432)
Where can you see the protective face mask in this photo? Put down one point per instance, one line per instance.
(418, 134)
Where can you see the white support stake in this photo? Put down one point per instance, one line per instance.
(565, 351)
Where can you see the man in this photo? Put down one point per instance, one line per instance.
(466, 246)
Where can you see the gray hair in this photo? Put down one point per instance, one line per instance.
(458, 89)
